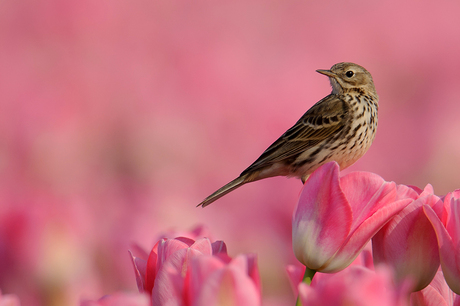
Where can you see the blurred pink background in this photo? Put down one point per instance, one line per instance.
(118, 117)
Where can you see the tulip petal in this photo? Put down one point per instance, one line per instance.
(308, 295)
(366, 192)
(117, 299)
(253, 270)
(139, 271)
(408, 243)
(229, 285)
(200, 269)
(322, 219)
(219, 247)
(203, 245)
(355, 285)
(447, 251)
(295, 275)
(436, 293)
(366, 230)
(405, 192)
(151, 269)
(166, 247)
(169, 282)
(453, 222)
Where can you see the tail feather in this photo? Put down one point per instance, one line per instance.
(224, 190)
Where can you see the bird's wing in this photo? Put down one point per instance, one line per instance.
(321, 121)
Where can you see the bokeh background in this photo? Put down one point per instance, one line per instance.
(118, 117)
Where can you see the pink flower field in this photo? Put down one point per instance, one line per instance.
(118, 117)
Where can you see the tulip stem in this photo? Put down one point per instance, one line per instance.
(307, 278)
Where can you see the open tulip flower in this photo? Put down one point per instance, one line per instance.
(336, 216)
(408, 242)
(182, 271)
(177, 250)
(447, 228)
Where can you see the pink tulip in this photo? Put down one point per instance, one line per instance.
(182, 271)
(195, 233)
(437, 293)
(9, 300)
(356, 285)
(447, 228)
(335, 217)
(211, 281)
(120, 299)
(173, 266)
(408, 242)
(295, 273)
(146, 269)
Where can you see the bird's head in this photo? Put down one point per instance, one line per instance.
(345, 76)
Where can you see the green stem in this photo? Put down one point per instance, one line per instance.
(307, 278)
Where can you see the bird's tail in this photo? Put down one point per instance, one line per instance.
(224, 190)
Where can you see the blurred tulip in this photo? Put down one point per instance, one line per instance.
(355, 285)
(147, 269)
(437, 293)
(182, 271)
(408, 242)
(447, 228)
(295, 273)
(9, 300)
(197, 232)
(120, 299)
(169, 284)
(211, 281)
(335, 217)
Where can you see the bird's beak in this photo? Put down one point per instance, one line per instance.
(327, 72)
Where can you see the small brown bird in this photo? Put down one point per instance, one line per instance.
(341, 127)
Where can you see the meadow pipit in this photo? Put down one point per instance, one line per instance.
(341, 127)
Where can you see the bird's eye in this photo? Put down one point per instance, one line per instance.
(349, 73)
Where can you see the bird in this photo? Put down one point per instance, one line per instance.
(340, 127)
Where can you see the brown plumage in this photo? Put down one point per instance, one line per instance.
(340, 127)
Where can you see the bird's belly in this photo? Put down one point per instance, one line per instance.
(344, 152)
